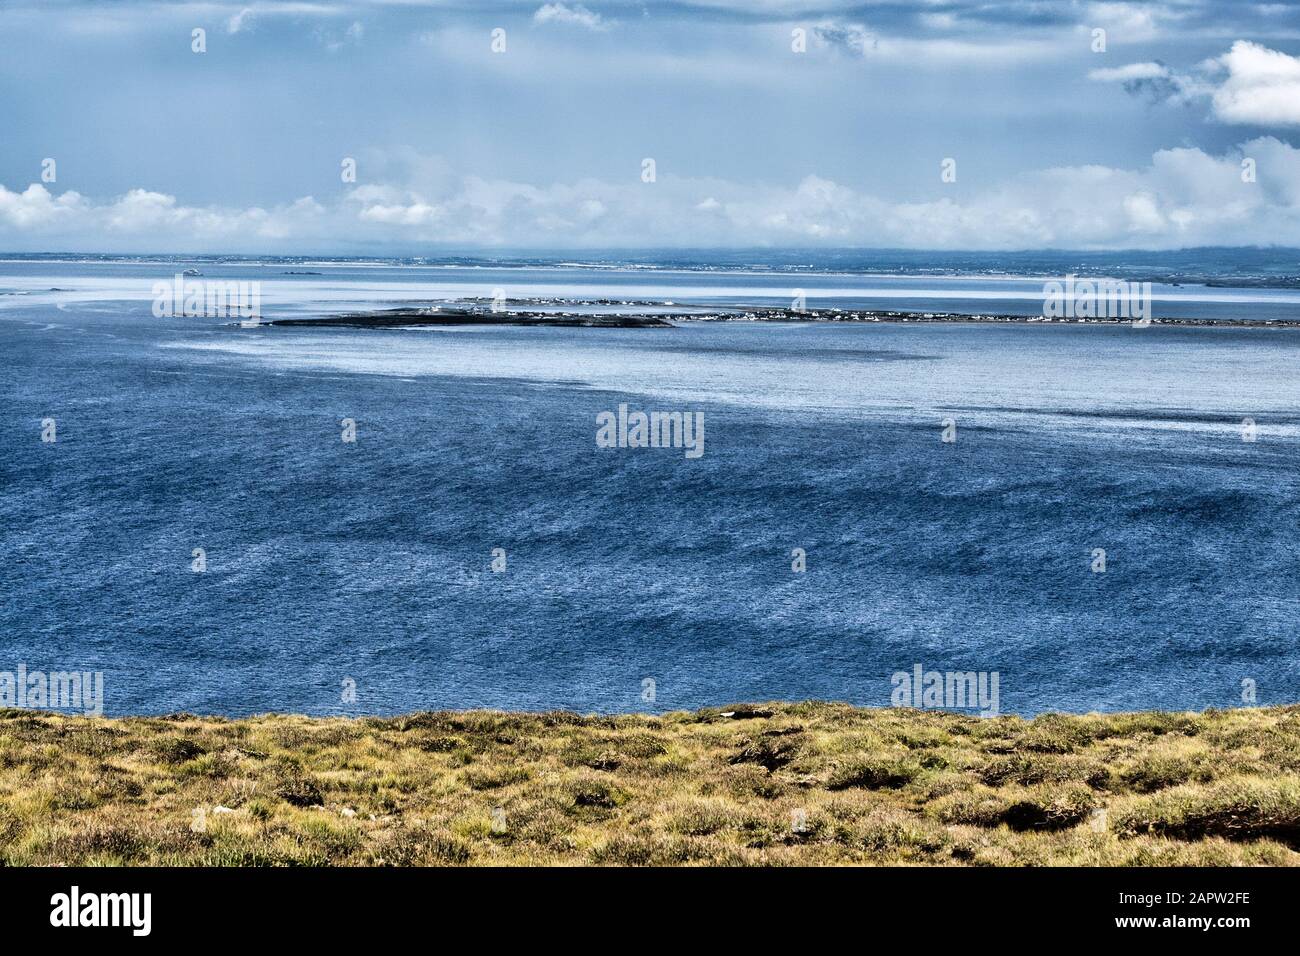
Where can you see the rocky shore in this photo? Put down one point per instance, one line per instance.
(409, 318)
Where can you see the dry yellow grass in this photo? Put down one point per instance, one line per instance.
(810, 783)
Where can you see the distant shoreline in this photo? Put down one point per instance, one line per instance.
(1242, 267)
(408, 318)
(470, 314)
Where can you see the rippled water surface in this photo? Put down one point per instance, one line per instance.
(371, 560)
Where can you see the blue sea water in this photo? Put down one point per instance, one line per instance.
(371, 561)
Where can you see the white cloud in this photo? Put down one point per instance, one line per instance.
(1262, 87)
(140, 213)
(1144, 214)
(575, 15)
(1184, 197)
(36, 209)
(415, 214)
(1250, 84)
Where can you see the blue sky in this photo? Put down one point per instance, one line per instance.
(239, 148)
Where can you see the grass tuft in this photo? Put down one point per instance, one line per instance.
(810, 783)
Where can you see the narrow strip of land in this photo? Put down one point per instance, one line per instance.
(458, 315)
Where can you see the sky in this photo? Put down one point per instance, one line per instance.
(938, 124)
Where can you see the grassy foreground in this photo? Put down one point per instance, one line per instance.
(810, 783)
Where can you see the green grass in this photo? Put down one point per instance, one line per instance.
(776, 784)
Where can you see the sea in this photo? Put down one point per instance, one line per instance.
(230, 519)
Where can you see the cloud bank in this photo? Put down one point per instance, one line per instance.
(1184, 197)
